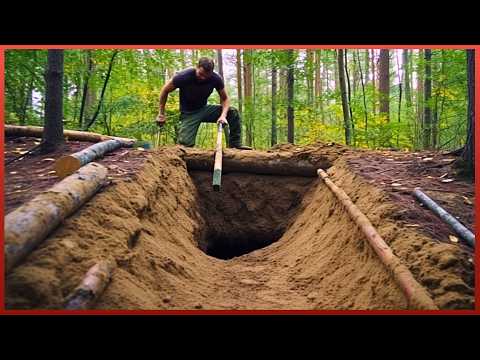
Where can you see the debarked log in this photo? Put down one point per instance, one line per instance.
(255, 162)
(37, 131)
(417, 296)
(92, 286)
(27, 226)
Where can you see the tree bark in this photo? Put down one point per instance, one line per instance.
(469, 153)
(85, 92)
(274, 106)
(220, 63)
(247, 74)
(406, 77)
(290, 98)
(427, 129)
(384, 83)
(343, 89)
(374, 86)
(27, 226)
(365, 112)
(105, 83)
(318, 85)
(53, 129)
(68, 164)
(239, 81)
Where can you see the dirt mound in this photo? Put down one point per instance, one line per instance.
(158, 226)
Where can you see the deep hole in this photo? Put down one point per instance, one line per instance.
(249, 212)
(228, 246)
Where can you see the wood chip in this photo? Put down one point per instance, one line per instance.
(453, 239)
(427, 159)
(51, 172)
(48, 159)
(396, 184)
(13, 172)
(467, 200)
(141, 149)
(441, 177)
(447, 180)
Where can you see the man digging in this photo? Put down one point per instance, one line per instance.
(196, 85)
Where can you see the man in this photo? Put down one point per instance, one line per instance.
(196, 85)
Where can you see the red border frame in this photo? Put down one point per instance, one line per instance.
(3, 311)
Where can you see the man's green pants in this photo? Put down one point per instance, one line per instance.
(190, 121)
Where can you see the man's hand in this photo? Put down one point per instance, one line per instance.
(160, 120)
(222, 120)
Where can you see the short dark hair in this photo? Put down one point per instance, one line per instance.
(206, 63)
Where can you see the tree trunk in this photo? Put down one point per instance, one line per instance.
(290, 98)
(309, 74)
(105, 83)
(220, 63)
(343, 89)
(53, 129)
(365, 112)
(367, 66)
(318, 85)
(27, 226)
(247, 75)
(469, 153)
(274, 106)
(384, 83)
(349, 97)
(427, 130)
(406, 78)
(374, 86)
(420, 94)
(85, 93)
(239, 81)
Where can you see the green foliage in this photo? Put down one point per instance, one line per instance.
(131, 100)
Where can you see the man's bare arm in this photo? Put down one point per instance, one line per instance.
(225, 102)
(167, 88)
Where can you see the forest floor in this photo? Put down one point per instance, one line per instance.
(180, 245)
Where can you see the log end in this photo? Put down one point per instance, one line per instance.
(66, 166)
(217, 179)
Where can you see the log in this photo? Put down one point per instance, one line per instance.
(37, 131)
(461, 230)
(416, 295)
(92, 286)
(27, 226)
(217, 169)
(68, 164)
(255, 162)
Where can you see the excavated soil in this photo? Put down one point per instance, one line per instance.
(262, 242)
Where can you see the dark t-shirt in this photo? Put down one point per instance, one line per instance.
(194, 93)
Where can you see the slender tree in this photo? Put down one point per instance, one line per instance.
(290, 97)
(343, 90)
(469, 150)
(427, 128)
(274, 105)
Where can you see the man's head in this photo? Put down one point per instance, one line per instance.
(204, 68)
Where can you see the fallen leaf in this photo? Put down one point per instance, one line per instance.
(427, 159)
(448, 160)
(13, 172)
(447, 180)
(471, 260)
(41, 175)
(467, 200)
(453, 239)
(412, 225)
(396, 184)
(141, 149)
(51, 172)
(441, 177)
(48, 159)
